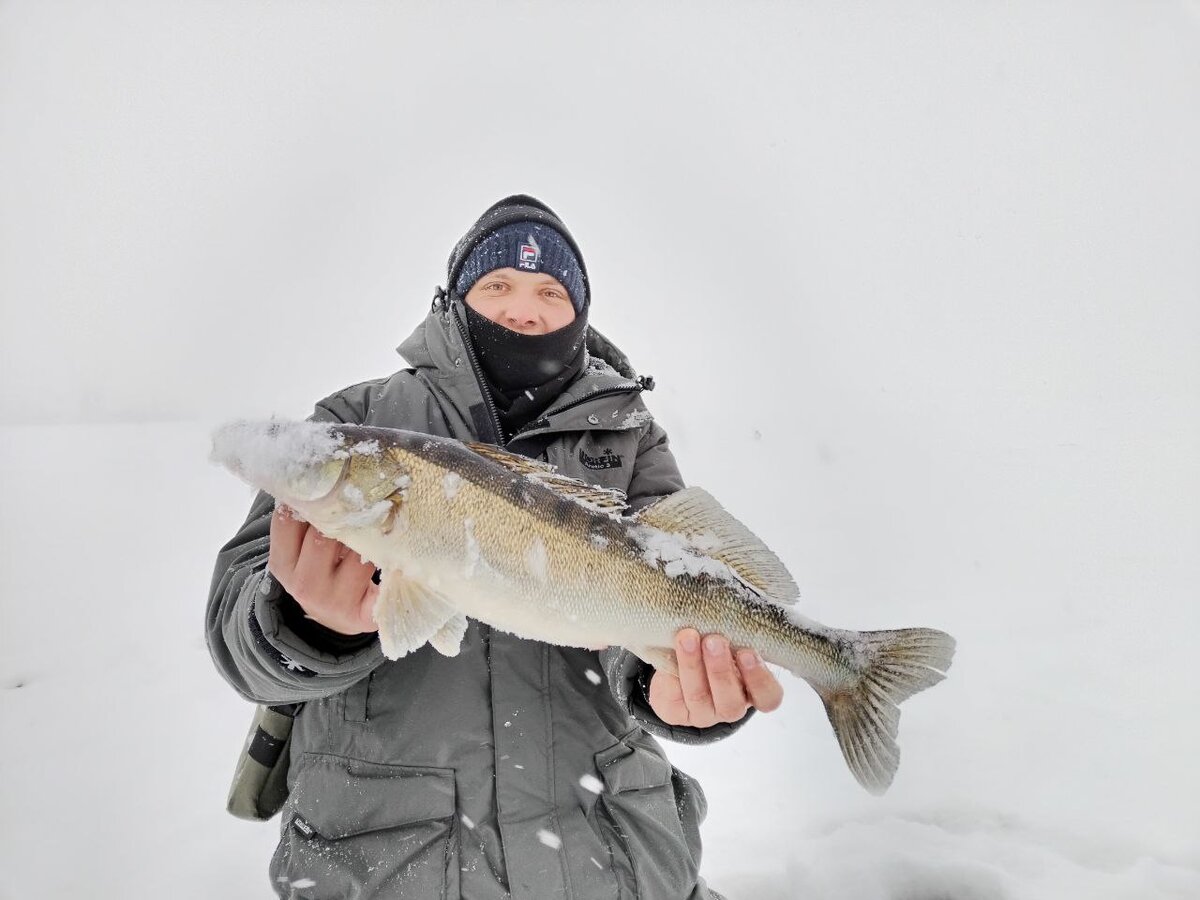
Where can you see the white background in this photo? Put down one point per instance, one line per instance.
(920, 284)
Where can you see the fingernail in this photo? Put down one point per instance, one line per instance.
(689, 643)
(748, 659)
(714, 645)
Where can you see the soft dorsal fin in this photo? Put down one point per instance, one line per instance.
(603, 500)
(695, 515)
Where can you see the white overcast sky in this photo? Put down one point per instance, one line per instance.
(220, 208)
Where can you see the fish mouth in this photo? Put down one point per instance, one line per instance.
(298, 461)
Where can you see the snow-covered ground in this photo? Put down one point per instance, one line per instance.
(919, 285)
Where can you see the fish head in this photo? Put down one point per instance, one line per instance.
(336, 476)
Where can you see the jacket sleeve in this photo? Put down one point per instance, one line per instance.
(256, 635)
(655, 475)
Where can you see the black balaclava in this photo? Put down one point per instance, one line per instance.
(524, 372)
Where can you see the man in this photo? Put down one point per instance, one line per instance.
(516, 768)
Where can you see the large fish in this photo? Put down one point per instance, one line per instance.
(469, 530)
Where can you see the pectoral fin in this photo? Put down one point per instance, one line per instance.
(409, 614)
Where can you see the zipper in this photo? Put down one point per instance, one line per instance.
(488, 402)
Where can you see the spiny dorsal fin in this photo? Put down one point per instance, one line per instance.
(695, 515)
(603, 500)
(514, 462)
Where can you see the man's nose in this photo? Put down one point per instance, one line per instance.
(521, 311)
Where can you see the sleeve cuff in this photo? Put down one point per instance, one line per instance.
(629, 680)
(304, 646)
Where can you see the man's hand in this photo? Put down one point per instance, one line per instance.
(711, 687)
(330, 582)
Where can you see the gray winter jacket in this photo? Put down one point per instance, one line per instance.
(474, 775)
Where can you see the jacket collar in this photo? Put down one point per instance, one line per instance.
(604, 396)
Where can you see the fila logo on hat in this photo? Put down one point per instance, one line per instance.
(530, 255)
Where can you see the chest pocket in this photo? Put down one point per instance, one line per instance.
(604, 458)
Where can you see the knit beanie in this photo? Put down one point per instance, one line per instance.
(528, 247)
(556, 247)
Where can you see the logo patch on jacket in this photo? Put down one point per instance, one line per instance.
(606, 460)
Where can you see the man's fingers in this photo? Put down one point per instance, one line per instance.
(318, 558)
(666, 699)
(693, 680)
(366, 608)
(762, 687)
(351, 580)
(724, 680)
(287, 536)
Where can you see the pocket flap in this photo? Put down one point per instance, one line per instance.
(340, 797)
(631, 767)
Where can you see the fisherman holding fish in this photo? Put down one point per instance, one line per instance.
(514, 767)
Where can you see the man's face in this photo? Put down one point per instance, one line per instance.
(527, 302)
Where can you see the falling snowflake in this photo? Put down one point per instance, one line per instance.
(593, 676)
(291, 664)
(467, 821)
(591, 783)
(304, 883)
(549, 838)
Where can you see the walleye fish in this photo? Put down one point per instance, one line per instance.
(464, 530)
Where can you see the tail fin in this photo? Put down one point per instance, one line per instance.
(865, 716)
